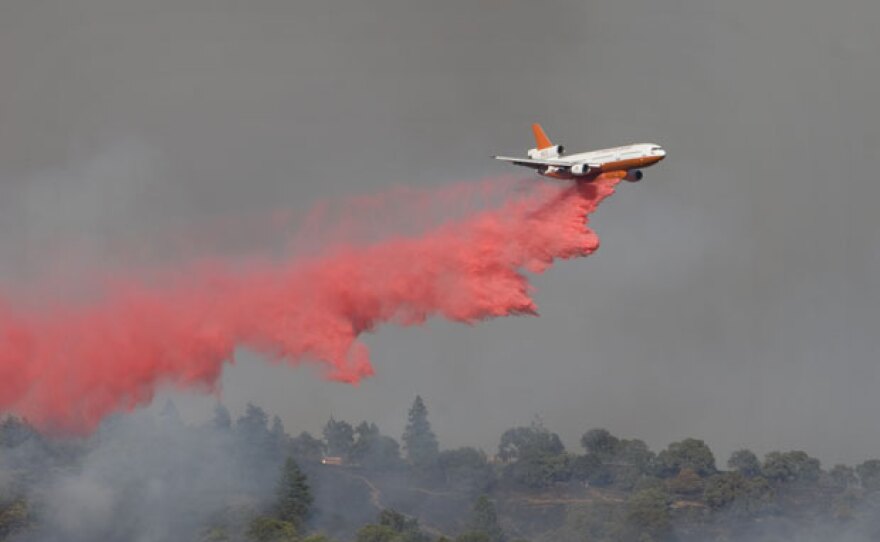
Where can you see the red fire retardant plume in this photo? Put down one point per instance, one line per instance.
(67, 367)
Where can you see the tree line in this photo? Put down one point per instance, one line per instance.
(624, 490)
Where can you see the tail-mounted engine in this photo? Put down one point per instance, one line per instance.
(554, 151)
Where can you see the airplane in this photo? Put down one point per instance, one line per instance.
(619, 162)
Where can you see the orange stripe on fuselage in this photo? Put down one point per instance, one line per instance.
(632, 163)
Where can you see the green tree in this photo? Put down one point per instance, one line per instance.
(365, 437)
(538, 471)
(529, 442)
(400, 523)
(537, 456)
(745, 462)
(689, 453)
(632, 462)
(869, 474)
(419, 440)
(484, 519)
(635, 453)
(294, 497)
(794, 466)
(269, 529)
(339, 437)
(601, 443)
(392, 527)
(374, 450)
(376, 533)
(733, 491)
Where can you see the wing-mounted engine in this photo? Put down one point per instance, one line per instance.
(582, 170)
(553, 151)
(634, 175)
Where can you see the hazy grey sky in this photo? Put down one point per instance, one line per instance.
(736, 296)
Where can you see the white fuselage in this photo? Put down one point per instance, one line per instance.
(625, 158)
(616, 154)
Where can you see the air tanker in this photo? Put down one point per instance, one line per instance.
(619, 162)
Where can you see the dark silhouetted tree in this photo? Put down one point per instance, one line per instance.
(252, 432)
(538, 471)
(392, 526)
(278, 438)
(745, 462)
(635, 453)
(306, 448)
(869, 474)
(601, 443)
(537, 457)
(632, 462)
(270, 529)
(373, 450)
(689, 453)
(419, 440)
(794, 466)
(742, 496)
(533, 441)
(293, 495)
(253, 425)
(339, 437)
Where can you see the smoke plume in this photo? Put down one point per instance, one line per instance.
(68, 365)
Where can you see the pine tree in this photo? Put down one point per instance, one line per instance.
(294, 495)
(278, 437)
(420, 442)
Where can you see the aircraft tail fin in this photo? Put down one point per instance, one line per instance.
(541, 138)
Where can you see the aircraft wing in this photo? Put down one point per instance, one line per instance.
(533, 163)
(540, 163)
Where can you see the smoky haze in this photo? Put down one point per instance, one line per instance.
(735, 296)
